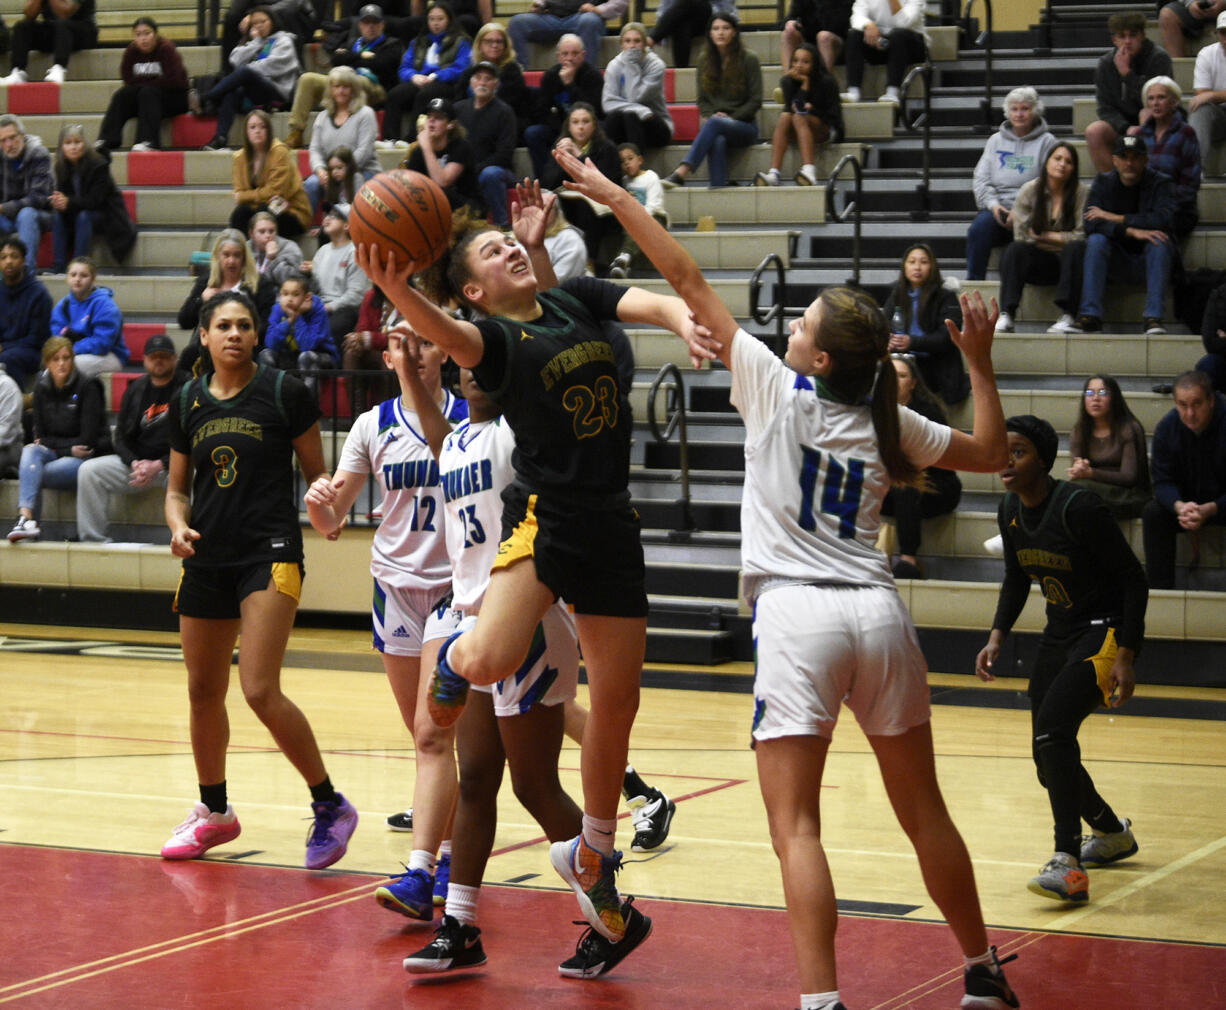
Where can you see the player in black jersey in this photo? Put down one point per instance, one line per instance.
(234, 433)
(1063, 537)
(541, 353)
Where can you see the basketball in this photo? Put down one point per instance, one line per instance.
(404, 213)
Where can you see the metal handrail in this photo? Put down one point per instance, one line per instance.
(776, 311)
(676, 422)
(984, 38)
(923, 190)
(854, 207)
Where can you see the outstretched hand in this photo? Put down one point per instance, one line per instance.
(974, 338)
(530, 213)
(587, 178)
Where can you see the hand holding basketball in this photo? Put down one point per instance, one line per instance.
(402, 215)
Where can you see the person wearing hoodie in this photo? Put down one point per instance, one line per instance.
(25, 186)
(1121, 73)
(1010, 159)
(633, 96)
(89, 317)
(25, 312)
(154, 88)
(299, 335)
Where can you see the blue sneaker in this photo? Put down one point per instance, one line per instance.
(329, 836)
(448, 690)
(410, 893)
(442, 876)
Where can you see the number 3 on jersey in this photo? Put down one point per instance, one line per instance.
(841, 488)
(225, 472)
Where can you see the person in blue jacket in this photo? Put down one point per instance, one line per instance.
(299, 335)
(89, 317)
(431, 66)
(25, 312)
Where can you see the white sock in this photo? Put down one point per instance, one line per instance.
(420, 859)
(599, 833)
(809, 170)
(462, 903)
(444, 849)
(985, 958)
(819, 1000)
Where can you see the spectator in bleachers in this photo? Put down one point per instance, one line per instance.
(265, 70)
(69, 426)
(1118, 79)
(550, 20)
(86, 201)
(492, 135)
(59, 27)
(299, 333)
(1189, 470)
(371, 52)
(1011, 158)
(345, 121)
(677, 20)
(582, 136)
(645, 186)
(26, 183)
(1213, 336)
(917, 307)
(336, 276)
(25, 311)
(442, 152)
(729, 97)
(1173, 149)
(572, 79)
(296, 17)
(1048, 217)
(231, 268)
(431, 67)
(265, 178)
(811, 111)
(362, 350)
(276, 257)
(154, 88)
(344, 178)
(12, 407)
(89, 317)
(1206, 111)
(491, 45)
(942, 489)
(142, 442)
(1107, 447)
(820, 23)
(1186, 19)
(565, 247)
(889, 32)
(633, 97)
(1130, 218)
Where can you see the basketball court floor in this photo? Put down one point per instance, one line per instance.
(95, 769)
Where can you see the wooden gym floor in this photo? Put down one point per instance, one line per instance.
(96, 769)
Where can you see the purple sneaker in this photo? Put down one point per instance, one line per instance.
(329, 835)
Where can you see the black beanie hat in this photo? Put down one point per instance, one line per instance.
(1041, 434)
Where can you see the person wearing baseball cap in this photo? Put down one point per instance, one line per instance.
(142, 442)
(444, 154)
(492, 134)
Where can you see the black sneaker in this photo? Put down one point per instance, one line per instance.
(1089, 324)
(401, 821)
(986, 989)
(455, 945)
(652, 815)
(595, 955)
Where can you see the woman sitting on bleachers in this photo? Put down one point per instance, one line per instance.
(89, 317)
(1174, 149)
(345, 121)
(633, 98)
(231, 267)
(492, 45)
(1108, 449)
(154, 88)
(432, 64)
(265, 177)
(86, 200)
(1048, 217)
(69, 427)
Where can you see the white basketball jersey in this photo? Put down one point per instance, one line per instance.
(814, 481)
(475, 464)
(409, 550)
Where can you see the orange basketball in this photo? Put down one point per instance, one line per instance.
(404, 213)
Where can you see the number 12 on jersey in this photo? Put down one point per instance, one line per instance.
(840, 490)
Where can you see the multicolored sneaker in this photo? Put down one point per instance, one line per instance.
(652, 815)
(595, 955)
(590, 875)
(200, 832)
(410, 893)
(442, 877)
(986, 987)
(1062, 879)
(1102, 848)
(455, 945)
(335, 822)
(448, 690)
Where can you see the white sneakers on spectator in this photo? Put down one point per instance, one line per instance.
(24, 529)
(1004, 323)
(891, 95)
(391, 145)
(770, 178)
(55, 74)
(1065, 324)
(807, 176)
(850, 95)
(15, 77)
(620, 267)
(143, 146)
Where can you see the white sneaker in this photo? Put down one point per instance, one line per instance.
(995, 546)
(850, 95)
(770, 178)
(892, 99)
(142, 146)
(55, 74)
(807, 176)
(620, 267)
(1065, 324)
(385, 145)
(15, 77)
(24, 529)
(1004, 323)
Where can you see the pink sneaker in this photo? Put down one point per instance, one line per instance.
(200, 832)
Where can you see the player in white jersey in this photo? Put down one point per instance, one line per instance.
(825, 438)
(412, 579)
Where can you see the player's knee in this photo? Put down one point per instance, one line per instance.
(428, 739)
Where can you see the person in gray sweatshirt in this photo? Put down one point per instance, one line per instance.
(337, 278)
(633, 97)
(1010, 159)
(25, 186)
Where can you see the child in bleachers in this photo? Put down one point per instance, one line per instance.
(298, 333)
(812, 113)
(344, 180)
(646, 187)
(337, 278)
(276, 257)
(89, 317)
(86, 200)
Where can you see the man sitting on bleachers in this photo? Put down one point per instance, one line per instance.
(12, 436)
(492, 130)
(26, 185)
(572, 79)
(884, 31)
(25, 312)
(1189, 468)
(549, 20)
(1186, 19)
(1206, 111)
(142, 442)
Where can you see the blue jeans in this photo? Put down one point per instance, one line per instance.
(538, 139)
(315, 190)
(717, 134)
(525, 28)
(983, 235)
(79, 231)
(29, 225)
(1105, 257)
(493, 183)
(40, 468)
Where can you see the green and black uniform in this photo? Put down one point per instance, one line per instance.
(1096, 596)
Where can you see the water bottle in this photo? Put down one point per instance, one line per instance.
(896, 321)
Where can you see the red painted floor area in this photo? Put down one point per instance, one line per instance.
(97, 930)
